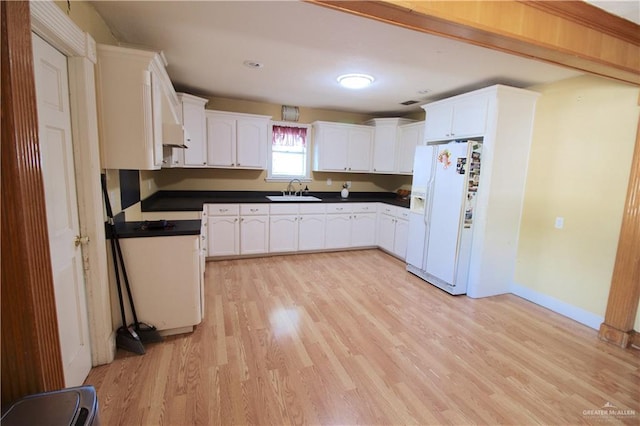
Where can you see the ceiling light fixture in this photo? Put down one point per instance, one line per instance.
(355, 81)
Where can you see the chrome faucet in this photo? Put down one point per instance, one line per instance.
(290, 187)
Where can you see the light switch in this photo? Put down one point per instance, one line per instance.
(559, 222)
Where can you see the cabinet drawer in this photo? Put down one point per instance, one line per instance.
(339, 208)
(286, 208)
(402, 213)
(365, 208)
(223, 209)
(254, 209)
(387, 209)
(312, 208)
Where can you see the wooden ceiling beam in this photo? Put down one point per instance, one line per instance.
(574, 34)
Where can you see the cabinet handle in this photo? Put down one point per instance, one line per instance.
(300, 218)
(223, 210)
(236, 219)
(253, 210)
(345, 168)
(242, 220)
(204, 163)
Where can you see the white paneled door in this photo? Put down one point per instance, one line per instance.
(56, 150)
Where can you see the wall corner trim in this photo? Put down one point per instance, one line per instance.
(558, 306)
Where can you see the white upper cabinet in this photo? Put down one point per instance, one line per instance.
(194, 121)
(342, 147)
(386, 144)
(409, 137)
(384, 149)
(459, 117)
(136, 105)
(237, 140)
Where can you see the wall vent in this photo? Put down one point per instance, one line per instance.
(405, 103)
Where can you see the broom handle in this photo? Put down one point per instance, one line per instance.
(112, 229)
(116, 247)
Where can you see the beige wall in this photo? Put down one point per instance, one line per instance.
(583, 139)
(85, 16)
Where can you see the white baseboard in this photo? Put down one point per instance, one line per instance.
(558, 306)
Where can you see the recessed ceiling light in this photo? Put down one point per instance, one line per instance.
(355, 81)
(252, 64)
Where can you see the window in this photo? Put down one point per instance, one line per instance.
(288, 157)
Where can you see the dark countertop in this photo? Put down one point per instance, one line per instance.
(174, 228)
(194, 200)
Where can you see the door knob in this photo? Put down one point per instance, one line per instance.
(80, 240)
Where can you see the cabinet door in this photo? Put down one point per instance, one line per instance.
(384, 149)
(363, 230)
(359, 154)
(469, 117)
(221, 141)
(410, 137)
(194, 122)
(156, 98)
(338, 234)
(438, 122)
(251, 143)
(283, 233)
(386, 232)
(311, 232)
(224, 235)
(332, 149)
(401, 238)
(254, 234)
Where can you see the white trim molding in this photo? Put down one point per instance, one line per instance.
(50, 23)
(558, 306)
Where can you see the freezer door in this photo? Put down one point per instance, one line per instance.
(447, 211)
(422, 166)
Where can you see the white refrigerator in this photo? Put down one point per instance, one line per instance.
(445, 184)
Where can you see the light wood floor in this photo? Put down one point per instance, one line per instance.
(351, 338)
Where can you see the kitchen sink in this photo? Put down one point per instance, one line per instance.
(296, 198)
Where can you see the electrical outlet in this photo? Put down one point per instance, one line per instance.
(329, 182)
(559, 222)
(348, 184)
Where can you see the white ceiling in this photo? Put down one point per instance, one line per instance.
(303, 48)
(627, 9)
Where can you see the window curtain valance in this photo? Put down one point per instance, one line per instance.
(284, 136)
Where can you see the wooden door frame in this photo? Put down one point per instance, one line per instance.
(31, 358)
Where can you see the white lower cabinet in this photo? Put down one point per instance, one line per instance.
(351, 225)
(223, 230)
(224, 236)
(251, 229)
(338, 232)
(393, 230)
(254, 228)
(363, 224)
(283, 233)
(311, 232)
(165, 281)
(296, 227)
